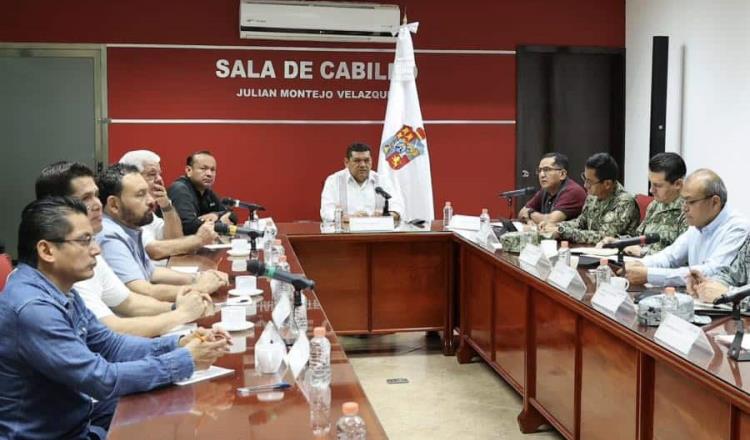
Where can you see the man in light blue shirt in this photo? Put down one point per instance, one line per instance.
(128, 205)
(61, 370)
(711, 242)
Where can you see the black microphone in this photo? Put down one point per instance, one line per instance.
(518, 192)
(221, 228)
(734, 296)
(382, 192)
(635, 241)
(239, 203)
(299, 282)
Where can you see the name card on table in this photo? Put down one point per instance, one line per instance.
(534, 261)
(371, 224)
(681, 336)
(299, 354)
(282, 311)
(567, 279)
(610, 299)
(468, 222)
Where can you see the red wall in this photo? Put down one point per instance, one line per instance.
(283, 166)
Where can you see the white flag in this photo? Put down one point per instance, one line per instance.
(404, 158)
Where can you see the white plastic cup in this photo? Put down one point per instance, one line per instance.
(246, 283)
(233, 316)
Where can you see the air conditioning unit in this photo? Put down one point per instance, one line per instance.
(318, 21)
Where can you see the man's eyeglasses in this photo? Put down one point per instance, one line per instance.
(690, 203)
(587, 182)
(546, 170)
(83, 241)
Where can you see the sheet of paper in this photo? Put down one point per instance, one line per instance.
(185, 269)
(371, 224)
(677, 334)
(182, 330)
(299, 355)
(215, 246)
(199, 376)
(609, 298)
(727, 340)
(467, 222)
(281, 311)
(594, 251)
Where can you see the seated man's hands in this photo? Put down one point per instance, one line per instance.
(206, 232)
(226, 218)
(523, 215)
(210, 217)
(210, 281)
(605, 240)
(549, 229)
(634, 251)
(636, 273)
(192, 303)
(706, 289)
(206, 352)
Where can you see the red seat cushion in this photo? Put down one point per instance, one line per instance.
(5, 269)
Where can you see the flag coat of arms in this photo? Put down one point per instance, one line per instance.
(404, 157)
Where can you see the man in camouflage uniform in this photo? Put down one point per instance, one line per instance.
(735, 275)
(664, 215)
(609, 210)
(711, 242)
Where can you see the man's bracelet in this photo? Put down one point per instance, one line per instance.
(174, 306)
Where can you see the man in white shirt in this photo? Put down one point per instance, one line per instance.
(711, 242)
(353, 189)
(104, 294)
(163, 237)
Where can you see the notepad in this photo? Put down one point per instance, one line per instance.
(211, 373)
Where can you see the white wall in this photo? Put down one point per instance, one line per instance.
(708, 92)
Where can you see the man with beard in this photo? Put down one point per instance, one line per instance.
(128, 205)
(193, 195)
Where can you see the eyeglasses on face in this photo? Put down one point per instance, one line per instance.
(587, 182)
(85, 241)
(689, 203)
(546, 170)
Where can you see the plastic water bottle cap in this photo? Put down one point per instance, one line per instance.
(604, 262)
(485, 211)
(350, 408)
(282, 258)
(277, 241)
(447, 203)
(564, 244)
(669, 291)
(319, 331)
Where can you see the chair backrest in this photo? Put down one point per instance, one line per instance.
(643, 201)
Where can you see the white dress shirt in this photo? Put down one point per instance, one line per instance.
(151, 232)
(341, 188)
(103, 290)
(707, 249)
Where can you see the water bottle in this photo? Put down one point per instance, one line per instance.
(603, 273)
(277, 250)
(320, 411)
(338, 219)
(279, 288)
(447, 214)
(350, 426)
(269, 235)
(300, 313)
(669, 303)
(320, 359)
(484, 224)
(563, 254)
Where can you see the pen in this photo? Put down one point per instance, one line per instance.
(263, 388)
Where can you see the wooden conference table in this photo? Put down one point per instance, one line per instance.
(585, 373)
(213, 410)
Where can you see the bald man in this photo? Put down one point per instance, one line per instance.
(711, 242)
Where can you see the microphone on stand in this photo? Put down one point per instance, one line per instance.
(299, 282)
(221, 228)
(635, 241)
(386, 196)
(734, 296)
(239, 203)
(518, 192)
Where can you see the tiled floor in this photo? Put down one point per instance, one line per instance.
(443, 400)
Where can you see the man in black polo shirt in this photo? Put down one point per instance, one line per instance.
(560, 198)
(192, 196)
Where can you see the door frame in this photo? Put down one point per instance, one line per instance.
(98, 54)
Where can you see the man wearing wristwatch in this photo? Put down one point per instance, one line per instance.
(560, 198)
(163, 237)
